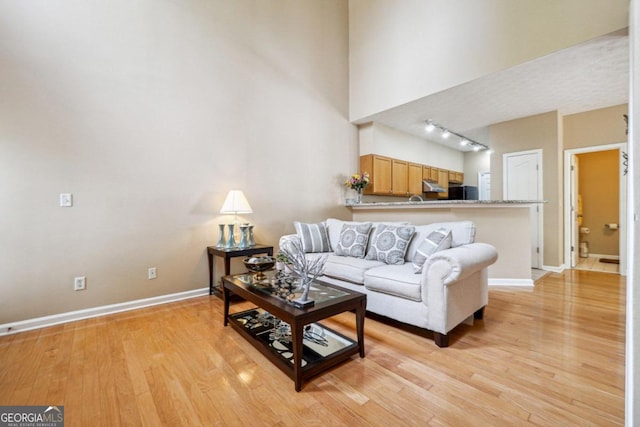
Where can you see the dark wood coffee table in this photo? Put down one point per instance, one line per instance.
(309, 348)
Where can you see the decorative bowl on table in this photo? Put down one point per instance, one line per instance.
(259, 265)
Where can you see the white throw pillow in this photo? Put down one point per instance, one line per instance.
(437, 240)
(389, 243)
(353, 240)
(314, 237)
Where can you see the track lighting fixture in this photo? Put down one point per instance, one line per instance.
(464, 141)
(430, 127)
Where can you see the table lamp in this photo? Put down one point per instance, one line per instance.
(235, 203)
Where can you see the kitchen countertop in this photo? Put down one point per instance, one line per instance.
(445, 204)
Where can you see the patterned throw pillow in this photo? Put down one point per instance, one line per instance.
(437, 240)
(314, 237)
(390, 243)
(353, 240)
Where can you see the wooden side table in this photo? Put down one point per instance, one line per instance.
(227, 254)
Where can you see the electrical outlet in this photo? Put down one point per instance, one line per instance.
(151, 273)
(66, 200)
(80, 283)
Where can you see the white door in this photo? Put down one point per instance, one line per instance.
(523, 181)
(484, 185)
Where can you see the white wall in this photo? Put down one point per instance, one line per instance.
(402, 51)
(542, 131)
(376, 138)
(632, 384)
(475, 162)
(149, 112)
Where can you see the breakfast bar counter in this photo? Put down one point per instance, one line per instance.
(439, 204)
(505, 224)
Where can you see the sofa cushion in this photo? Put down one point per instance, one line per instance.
(397, 280)
(348, 269)
(353, 240)
(436, 241)
(390, 242)
(313, 236)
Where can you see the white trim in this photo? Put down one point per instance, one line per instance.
(553, 269)
(511, 282)
(632, 358)
(624, 188)
(72, 316)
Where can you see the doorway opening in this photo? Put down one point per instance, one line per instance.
(595, 208)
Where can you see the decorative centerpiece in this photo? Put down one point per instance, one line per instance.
(357, 182)
(306, 269)
(259, 265)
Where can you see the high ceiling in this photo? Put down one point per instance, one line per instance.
(586, 77)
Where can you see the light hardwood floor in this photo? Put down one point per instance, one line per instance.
(551, 356)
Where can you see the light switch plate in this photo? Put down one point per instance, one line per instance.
(66, 200)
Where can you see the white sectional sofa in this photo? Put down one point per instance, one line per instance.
(451, 287)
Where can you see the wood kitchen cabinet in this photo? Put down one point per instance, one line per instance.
(456, 177)
(443, 181)
(400, 178)
(434, 174)
(394, 177)
(380, 171)
(426, 173)
(415, 178)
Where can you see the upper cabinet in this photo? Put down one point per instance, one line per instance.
(400, 178)
(456, 177)
(443, 181)
(394, 177)
(379, 169)
(434, 174)
(416, 172)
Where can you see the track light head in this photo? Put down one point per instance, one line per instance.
(430, 126)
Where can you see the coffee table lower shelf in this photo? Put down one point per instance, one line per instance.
(322, 347)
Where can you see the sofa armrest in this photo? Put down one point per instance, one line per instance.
(287, 238)
(455, 264)
(454, 284)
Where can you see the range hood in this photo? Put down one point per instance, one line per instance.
(432, 187)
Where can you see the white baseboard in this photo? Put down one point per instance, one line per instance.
(553, 269)
(71, 316)
(511, 282)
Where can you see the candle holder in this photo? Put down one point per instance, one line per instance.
(231, 242)
(221, 241)
(244, 236)
(252, 242)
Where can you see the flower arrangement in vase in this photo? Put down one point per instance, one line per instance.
(357, 182)
(306, 269)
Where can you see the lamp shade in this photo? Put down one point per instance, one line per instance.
(236, 203)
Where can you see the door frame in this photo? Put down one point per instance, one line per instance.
(538, 207)
(569, 219)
